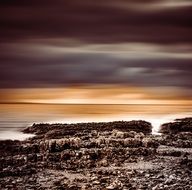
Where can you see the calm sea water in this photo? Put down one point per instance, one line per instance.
(14, 117)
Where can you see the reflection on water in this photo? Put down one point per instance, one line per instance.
(14, 117)
(14, 135)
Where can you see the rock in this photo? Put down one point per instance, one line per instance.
(132, 142)
(114, 155)
(110, 187)
(148, 142)
(59, 130)
(118, 134)
(103, 163)
(180, 125)
(96, 182)
(166, 152)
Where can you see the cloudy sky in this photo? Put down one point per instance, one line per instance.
(110, 44)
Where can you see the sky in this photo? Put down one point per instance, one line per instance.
(85, 51)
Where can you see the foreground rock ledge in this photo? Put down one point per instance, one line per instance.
(114, 155)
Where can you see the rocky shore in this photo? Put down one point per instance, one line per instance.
(115, 155)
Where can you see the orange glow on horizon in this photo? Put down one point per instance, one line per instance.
(98, 94)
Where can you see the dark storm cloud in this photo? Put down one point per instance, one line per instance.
(94, 68)
(34, 49)
(95, 21)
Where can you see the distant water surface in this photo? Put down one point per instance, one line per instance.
(14, 117)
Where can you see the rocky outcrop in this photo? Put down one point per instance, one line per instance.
(179, 125)
(114, 155)
(59, 130)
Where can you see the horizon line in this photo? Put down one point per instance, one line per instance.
(41, 103)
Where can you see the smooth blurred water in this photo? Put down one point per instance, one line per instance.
(14, 117)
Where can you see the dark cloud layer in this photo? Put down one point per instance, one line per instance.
(94, 21)
(94, 68)
(45, 24)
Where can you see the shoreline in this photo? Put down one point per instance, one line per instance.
(14, 133)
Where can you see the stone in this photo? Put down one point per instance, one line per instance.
(114, 155)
